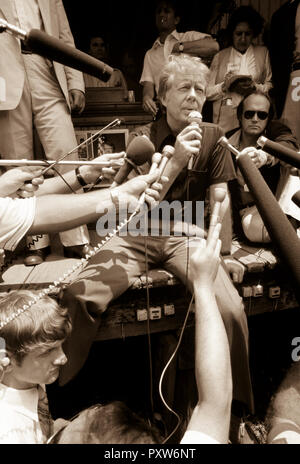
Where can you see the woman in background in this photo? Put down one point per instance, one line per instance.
(242, 58)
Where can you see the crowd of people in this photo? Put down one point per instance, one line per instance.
(44, 339)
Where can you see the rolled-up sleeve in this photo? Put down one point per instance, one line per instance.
(16, 217)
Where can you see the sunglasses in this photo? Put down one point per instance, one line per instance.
(260, 114)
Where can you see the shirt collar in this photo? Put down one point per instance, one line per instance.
(164, 135)
(23, 401)
(235, 139)
(248, 51)
(158, 43)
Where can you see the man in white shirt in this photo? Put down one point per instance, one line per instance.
(170, 41)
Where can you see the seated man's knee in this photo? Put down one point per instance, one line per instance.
(254, 228)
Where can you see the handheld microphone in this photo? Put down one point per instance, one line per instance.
(56, 50)
(156, 159)
(194, 118)
(280, 151)
(167, 153)
(139, 151)
(219, 197)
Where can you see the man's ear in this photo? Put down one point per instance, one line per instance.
(177, 20)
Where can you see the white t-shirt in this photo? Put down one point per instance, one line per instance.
(157, 56)
(19, 422)
(16, 217)
(193, 437)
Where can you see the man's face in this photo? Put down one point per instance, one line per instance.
(41, 366)
(186, 94)
(255, 115)
(242, 37)
(97, 48)
(165, 18)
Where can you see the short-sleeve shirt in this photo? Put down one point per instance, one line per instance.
(213, 165)
(156, 57)
(16, 217)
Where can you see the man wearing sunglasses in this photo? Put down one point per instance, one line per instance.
(255, 114)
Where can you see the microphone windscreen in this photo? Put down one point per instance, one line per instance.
(280, 151)
(195, 116)
(54, 49)
(139, 151)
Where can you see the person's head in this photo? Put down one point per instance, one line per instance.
(98, 48)
(182, 87)
(244, 25)
(33, 339)
(254, 113)
(113, 423)
(166, 16)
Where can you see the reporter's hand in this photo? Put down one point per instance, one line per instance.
(4, 363)
(188, 143)
(150, 106)
(235, 269)
(22, 179)
(205, 260)
(92, 173)
(131, 191)
(259, 157)
(77, 100)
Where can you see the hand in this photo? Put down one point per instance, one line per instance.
(4, 363)
(131, 191)
(77, 100)
(259, 157)
(205, 260)
(235, 269)
(91, 174)
(226, 83)
(243, 87)
(13, 181)
(150, 106)
(115, 79)
(188, 143)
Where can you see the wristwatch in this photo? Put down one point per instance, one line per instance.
(181, 47)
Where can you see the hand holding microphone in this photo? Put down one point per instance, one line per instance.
(194, 119)
(139, 151)
(219, 197)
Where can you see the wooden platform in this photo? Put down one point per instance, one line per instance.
(169, 300)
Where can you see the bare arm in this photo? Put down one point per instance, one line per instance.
(149, 104)
(212, 357)
(202, 47)
(56, 213)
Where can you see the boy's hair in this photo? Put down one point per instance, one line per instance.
(113, 423)
(184, 64)
(44, 323)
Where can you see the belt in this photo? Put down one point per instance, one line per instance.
(25, 50)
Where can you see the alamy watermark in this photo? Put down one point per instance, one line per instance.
(175, 218)
(296, 351)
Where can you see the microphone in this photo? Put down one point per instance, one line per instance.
(56, 50)
(280, 151)
(167, 153)
(279, 227)
(193, 118)
(139, 151)
(156, 158)
(219, 197)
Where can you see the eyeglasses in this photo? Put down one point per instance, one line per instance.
(260, 114)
